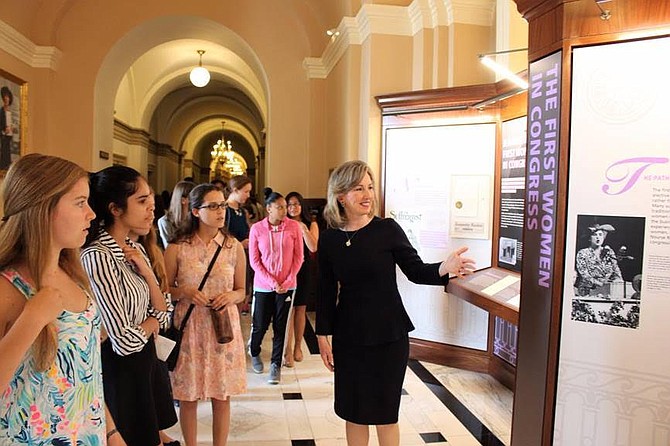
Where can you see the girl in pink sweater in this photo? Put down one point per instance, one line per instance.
(275, 254)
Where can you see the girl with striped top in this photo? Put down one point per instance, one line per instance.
(132, 305)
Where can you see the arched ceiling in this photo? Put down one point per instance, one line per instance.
(156, 94)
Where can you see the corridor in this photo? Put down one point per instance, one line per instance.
(299, 411)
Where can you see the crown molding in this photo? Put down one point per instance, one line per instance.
(19, 46)
(471, 12)
(397, 21)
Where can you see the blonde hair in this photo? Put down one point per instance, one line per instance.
(180, 191)
(343, 179)
(31, 190)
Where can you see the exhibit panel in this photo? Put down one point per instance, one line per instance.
(442, 181)
(439, 188)
(614, 370)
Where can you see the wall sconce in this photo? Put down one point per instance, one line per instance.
(502, 70)
(199, 75)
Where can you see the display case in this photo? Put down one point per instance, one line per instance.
(453, 175)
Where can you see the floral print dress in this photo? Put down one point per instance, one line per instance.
(63, 405)
(205, 368)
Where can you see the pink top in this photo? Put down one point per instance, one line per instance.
(275, 254)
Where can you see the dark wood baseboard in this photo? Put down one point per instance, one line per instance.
(449, 355)
(502, 371)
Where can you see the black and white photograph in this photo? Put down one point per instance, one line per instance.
(12, 91)
(507, 250)
(608, 270)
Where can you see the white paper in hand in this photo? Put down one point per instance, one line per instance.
(164, 347)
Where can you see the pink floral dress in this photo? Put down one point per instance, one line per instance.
(205, 368)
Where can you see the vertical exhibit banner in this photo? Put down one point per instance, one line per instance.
(542, 152)
(614, 368)
(544, 107)
(512, 191)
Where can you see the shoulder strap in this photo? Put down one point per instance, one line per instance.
(202, 285)
(14, 277)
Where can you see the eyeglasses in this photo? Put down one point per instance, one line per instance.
(214, 206)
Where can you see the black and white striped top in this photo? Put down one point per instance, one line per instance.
(121, 293)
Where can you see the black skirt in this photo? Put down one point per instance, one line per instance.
(368, 381)
(138, 394)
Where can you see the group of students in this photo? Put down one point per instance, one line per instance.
(68, 318)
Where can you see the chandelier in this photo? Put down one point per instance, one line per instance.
(225, 157)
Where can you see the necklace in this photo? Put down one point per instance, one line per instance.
(238, 211)
(348, 242)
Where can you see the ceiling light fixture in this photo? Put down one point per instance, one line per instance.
(199, 75)
(332, 33)
(502, 70)
(604, 13)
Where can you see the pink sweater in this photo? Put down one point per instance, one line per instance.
(275, 254)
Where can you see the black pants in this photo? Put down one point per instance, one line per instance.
(269, 306)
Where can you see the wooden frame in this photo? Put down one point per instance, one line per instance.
(14, 91)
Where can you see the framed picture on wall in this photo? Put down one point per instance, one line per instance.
(13, 119)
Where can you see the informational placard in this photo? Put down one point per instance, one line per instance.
(470, 215)
(614, 367)
(512, 193)
(439, 188)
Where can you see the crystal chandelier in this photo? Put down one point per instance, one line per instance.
(224, 155)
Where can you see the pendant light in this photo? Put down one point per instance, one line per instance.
(199, 75)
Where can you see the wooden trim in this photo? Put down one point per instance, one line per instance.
(442, 99)
(460, 289)
(449, 355)
(502, 371)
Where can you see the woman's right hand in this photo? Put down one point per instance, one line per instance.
(326, 352)
(45, 305)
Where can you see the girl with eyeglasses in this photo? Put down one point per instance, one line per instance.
(276, 254)
(132, 304)
(206, 369)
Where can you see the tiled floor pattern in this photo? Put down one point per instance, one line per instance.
(299, 411)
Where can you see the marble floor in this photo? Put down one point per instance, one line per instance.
(439, 406)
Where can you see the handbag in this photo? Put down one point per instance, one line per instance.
(175, 333)
(222, 326)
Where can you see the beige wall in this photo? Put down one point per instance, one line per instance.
(312, 124)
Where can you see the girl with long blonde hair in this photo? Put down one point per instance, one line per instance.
(51, 388)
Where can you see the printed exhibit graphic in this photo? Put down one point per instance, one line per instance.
(608, 270)
(512, 191)
(614, 371)
(442, 200)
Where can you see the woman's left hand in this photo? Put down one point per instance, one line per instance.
(220, 301)
(457, 264)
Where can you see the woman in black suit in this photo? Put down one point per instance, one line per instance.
(360, 306)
